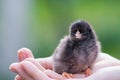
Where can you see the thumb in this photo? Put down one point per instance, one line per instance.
(24, 53)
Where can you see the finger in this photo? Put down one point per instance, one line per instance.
(16, 67)
(33, 71)
(24, 53)
(79, 75)
(18, 78)
(35, 63)
(54, 75)
(47, 63)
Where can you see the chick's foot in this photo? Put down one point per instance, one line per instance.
(88, 72)
(67, 75)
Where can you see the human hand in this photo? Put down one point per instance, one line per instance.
(33, 69)
(37, 69)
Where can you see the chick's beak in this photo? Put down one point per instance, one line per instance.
(78, 35)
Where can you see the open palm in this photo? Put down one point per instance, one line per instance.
(105, 68)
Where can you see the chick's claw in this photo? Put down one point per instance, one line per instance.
(67, 75)
(88, 72)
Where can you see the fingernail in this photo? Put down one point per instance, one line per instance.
(24, 53)
(12, 67)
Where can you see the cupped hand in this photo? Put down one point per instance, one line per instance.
(105, 67)
(33, 69)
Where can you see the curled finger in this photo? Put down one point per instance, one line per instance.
(54, 75)
(35, 63)
(17, 68)
(33, 71)
(17, 77)
(24, 53)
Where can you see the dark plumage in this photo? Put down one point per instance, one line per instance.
(77, 51)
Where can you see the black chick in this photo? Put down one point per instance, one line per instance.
(78, 51)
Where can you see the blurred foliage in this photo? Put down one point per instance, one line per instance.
(50, 20)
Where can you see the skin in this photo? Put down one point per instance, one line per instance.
(105, 68)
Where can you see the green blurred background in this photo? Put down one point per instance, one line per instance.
(42, 23)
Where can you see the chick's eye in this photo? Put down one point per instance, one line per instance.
(81, 30)
(74, 31)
